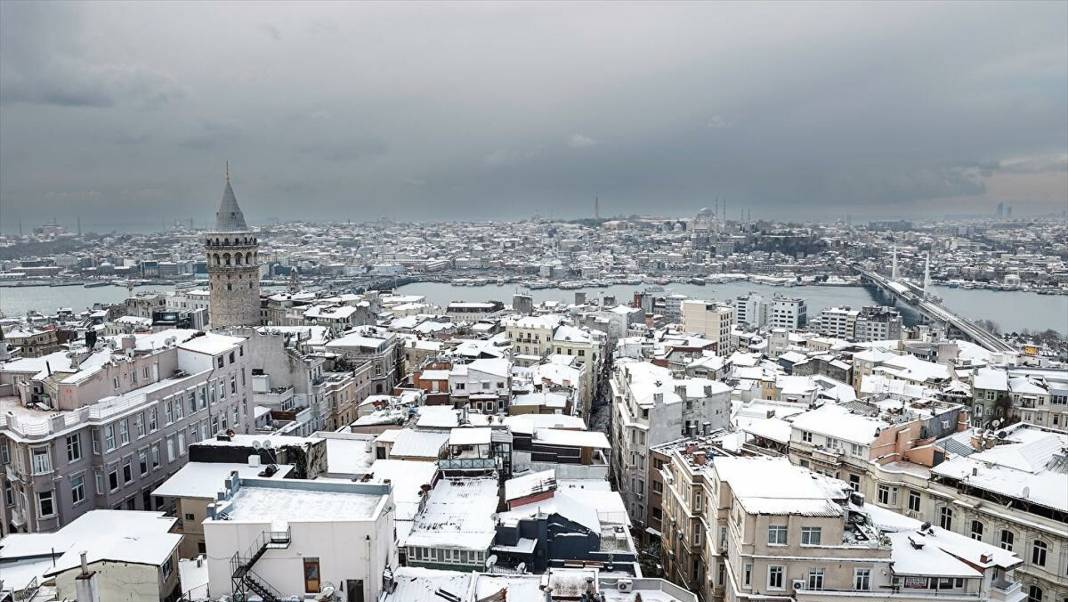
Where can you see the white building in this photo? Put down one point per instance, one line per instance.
(752, 310)
(294, 537)
(651, 407)
(788, 312)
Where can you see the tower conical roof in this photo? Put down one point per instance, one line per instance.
(229, 217)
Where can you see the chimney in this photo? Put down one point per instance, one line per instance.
(548, 591)
(700, 458)
(86, 588)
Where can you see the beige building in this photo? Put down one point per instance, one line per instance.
(710, 320)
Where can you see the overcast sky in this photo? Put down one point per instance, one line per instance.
(125, 113)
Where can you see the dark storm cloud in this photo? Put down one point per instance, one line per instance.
(479, 111)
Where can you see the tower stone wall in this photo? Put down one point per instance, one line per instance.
(233, 266)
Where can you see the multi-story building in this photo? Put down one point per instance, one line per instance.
(290, 538)
(31, 341)
(878, 323)
(710, 320)
(790, 313)
(532, 335)
(587, 347)
(751, 309)
(103, 428)
(651, 407)
(776, 531)
(839, 322)
(383, 349)
(1011, 493)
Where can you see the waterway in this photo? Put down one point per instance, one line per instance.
(1012, 311)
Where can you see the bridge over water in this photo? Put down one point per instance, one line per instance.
(913, 296)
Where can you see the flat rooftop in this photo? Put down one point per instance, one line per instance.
(308, 501)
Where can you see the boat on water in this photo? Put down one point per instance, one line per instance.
(97, 284)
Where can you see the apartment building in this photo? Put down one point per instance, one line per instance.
(651, 407)
(384, 349)
(838, 322)
(776, 531)
(587, 347)
(878, 323)
(103, 428)
(278, 539)
(752, 310)
(532, 335)
(710, 320)
(790, 313)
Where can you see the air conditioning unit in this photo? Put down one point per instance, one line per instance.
(799, 585)
(624, 585)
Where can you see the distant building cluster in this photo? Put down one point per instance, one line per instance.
(301, 442)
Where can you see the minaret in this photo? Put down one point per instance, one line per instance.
(893, 266)
(233, 266)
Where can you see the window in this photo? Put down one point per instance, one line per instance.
(977, 530)
(775, 577)
(311, 575)
(806, 436)
(1007, 538)
(1034, 594)
(109, 437)
(124, 432)
(139, 424)
(153, 419)
(113, 480)
(155, 456)
(854, 482)
(127, 472)
(777, 535)
(815, 579)
(167, 568)
(45, 504)
(77, 489)
(101, 488)
(1038, 553)
(142, 461)
(945, 519)
(862, 579)
(74, 447)
(887, 495)
(914, 501)
(219, 363)
(811, 536)
(170, 449)
(747, 574)
(40, 460)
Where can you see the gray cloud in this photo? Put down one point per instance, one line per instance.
(473, 111)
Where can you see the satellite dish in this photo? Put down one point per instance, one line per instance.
(256, 444)
(996, 422)
(267, 444)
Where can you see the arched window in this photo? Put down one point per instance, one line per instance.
(1038, 553)
(216, 257)
(248, 258)
(237, 258)
(977, 530)
(1034, 594)
(226, 241)
(226, 259)
(1007, 539)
